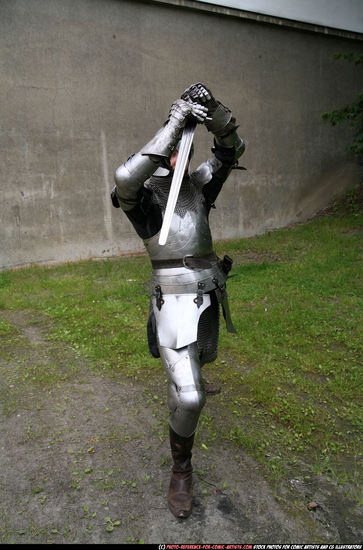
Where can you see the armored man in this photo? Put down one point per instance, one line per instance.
(188, 283)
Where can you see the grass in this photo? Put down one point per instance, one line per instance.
(292, 373)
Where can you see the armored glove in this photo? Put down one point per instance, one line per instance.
(198, 92)
(220, 121)
(181, 110)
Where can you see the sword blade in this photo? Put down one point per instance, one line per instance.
(181, 162)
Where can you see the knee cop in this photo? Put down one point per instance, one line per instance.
(186, 395)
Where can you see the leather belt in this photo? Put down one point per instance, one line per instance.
(203, 261)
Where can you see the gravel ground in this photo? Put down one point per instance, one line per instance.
(86, 460)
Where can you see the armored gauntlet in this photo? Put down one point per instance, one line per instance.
(219, 121)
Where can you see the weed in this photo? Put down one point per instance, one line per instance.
(110, 525)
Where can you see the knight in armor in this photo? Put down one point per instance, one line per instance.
(188, 282)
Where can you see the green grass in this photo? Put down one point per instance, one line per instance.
(292, 373)
(296, 361)
(97, 307)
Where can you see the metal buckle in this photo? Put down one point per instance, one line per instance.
(218, 284)
(187, 256)
(199, 298)
(159, 297)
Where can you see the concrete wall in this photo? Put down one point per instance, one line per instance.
(86, 82)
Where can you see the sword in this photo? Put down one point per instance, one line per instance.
(181, 162)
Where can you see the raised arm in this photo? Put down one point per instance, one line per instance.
(130, 176)
(228, 145)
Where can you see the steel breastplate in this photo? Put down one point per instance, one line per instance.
(189, 232)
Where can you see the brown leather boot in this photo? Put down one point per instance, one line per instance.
(180, 488)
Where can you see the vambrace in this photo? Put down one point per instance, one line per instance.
(222, 121)
(163, 143)
(232, 141)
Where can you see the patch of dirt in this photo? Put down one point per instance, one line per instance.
(84, 460)
(250, 257)
(27, 323)
(350, 202)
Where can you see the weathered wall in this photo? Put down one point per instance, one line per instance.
(86, 82)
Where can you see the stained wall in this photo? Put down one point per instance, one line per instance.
(86, 83)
